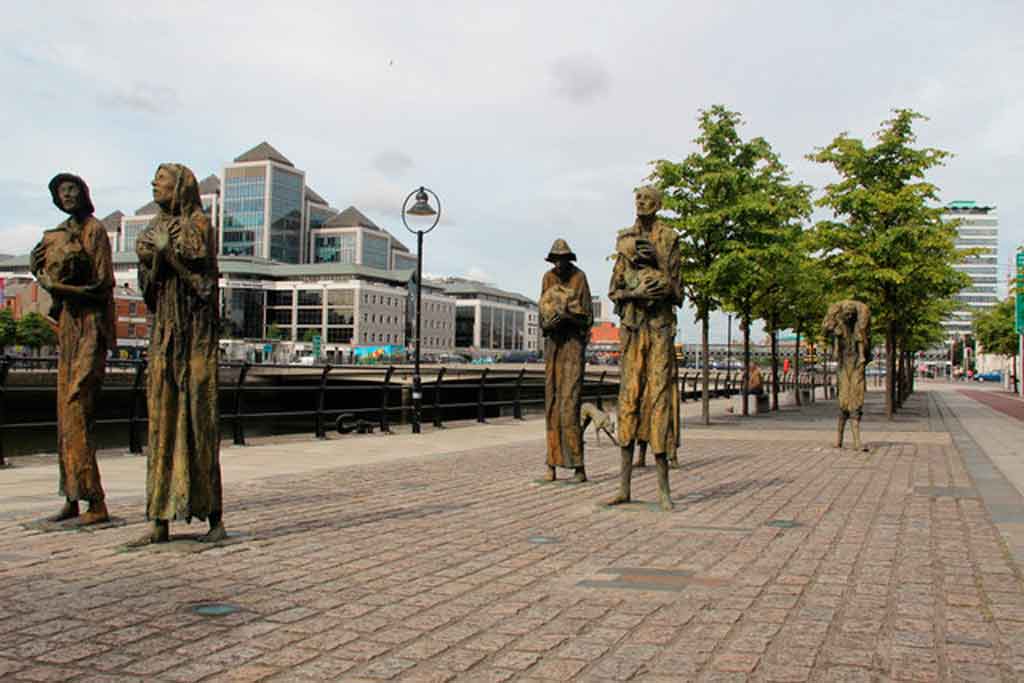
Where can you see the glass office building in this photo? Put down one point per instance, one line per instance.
(978, 229)
(244, 205)
(285, 215)
(262, 207)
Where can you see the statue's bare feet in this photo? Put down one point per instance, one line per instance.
(673, 462)
(159, 532)
(641, 460)
(67, 512)
(666, 503)
(215, 534)
(551, 475)
(619, 500)
(581, 475)
(97, 514)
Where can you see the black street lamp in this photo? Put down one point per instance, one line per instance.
(421, 207)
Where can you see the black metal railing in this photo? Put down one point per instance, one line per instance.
(374, 394)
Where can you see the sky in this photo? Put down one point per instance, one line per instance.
(530, 120)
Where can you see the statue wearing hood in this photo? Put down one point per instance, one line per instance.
(178, 278)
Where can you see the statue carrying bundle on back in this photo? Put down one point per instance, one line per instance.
(847, 326)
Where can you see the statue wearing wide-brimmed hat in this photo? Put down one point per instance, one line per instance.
(565, 318)
(73, 263)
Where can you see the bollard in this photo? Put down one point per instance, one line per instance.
(600, 390)
(480, 412)
(134, 443)
(517, 409)
(682, 388)
(319, 431)
(385, 425)
(239, 403)
(437, 399)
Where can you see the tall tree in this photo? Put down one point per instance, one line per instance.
(721, 195)
(994, 328)
(887, 227)
(35, 332)
(806, 300)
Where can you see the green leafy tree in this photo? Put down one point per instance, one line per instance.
(806, 299)
(887, 230)
(726, 198)
(309, 334)
(8, 329)
(274, 332)
(994, 328)
(35, 332)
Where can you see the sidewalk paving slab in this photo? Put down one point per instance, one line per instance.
(785, 560)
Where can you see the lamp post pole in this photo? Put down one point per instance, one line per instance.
(420, 208)
(417, 386)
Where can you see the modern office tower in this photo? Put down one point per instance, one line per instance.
(349, 237)
(131, 226)
(262, 207)
(978, 229)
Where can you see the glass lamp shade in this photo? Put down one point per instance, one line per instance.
(422, 206)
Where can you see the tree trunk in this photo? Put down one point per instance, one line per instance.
(890, 369)
(705, 372)
(796, 367)
(775, 370)
(746, 364)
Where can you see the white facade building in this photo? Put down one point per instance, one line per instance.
(978, 229)
(490, 321)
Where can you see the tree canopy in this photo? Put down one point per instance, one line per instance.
(731, 201)
(35, 331)
(887, 243)
(994, 328)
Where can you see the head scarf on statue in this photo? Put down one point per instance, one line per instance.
(176, 190)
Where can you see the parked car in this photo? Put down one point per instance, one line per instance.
(994, 376)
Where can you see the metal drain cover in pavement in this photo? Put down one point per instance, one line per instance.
(543, 540)
(784, 523)
(215, 609)
(646, 579)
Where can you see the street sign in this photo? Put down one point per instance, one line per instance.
(316, 346)
(1020, 293)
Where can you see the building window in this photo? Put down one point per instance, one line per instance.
(375, 251)
(465, 318)
(335, 248)
(285, 216)
(279, 298)
(310, 297)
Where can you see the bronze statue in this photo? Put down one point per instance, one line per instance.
(646, 289)
(178, 278)
(848, 325)
(565, 318)
(73, 263)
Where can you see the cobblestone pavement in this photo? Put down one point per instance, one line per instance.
(785, 560)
